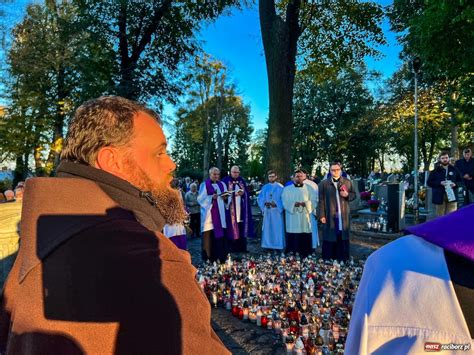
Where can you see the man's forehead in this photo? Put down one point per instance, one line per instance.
(146, 124)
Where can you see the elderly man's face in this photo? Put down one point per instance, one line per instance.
(9, 195)
(193, 188)
(235, 173)
(214, 175)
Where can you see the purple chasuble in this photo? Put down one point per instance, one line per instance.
(453, 232)
(179, 241)
(216, 219)
(233, 232)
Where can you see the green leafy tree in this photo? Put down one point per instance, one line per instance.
(233, 128)
(396, 117)
(207, 81)
(333, 120)
(316, 36)
(53, 65)
(441, 33)
(213, 126)
(255, 165)
(150, 40)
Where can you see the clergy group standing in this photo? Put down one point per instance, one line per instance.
(270, 203)
(299, 201)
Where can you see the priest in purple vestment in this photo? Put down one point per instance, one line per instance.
(239, 215)
(214, 200)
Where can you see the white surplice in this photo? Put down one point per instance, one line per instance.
(298, 219)
(314, 219)
(273, 232)
(173, 230)
(405, 299)
(205, 201)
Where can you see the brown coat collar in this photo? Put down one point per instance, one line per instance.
(55, 209)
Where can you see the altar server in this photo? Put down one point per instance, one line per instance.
(269, 201)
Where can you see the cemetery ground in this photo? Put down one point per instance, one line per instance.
(245, 337)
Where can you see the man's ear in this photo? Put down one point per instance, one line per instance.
(110, 159)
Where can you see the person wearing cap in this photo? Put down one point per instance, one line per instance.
(465, 165)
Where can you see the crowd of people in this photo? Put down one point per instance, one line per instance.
(221, 211)
(100, 270)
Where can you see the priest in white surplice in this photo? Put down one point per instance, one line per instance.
(314, 220)
(214, 201)
(269, 201)
(298, 201)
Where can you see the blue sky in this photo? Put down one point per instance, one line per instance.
(236, 41)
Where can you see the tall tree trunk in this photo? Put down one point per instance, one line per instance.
(130, 55)
(280, 44)
(19, 172)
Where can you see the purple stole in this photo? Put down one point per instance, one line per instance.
(233, 233)
(216, 219)
(453, 232)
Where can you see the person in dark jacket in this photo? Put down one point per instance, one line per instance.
(334, 213)
(466, 169)
(96, 276)
(444, 181)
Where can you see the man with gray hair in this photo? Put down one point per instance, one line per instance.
(9, 195)
(239, 214)
(213, 198)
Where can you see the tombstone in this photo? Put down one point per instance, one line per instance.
(395, 207)
(381, 192)
(429, 208)
(356, 204)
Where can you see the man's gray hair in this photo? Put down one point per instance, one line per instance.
(235, 167)
(9, 195)
(193, 185)
(105, 121)
(213, 169)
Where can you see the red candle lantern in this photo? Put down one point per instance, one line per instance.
(235, 311)
(241, 313)
(264, 321)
